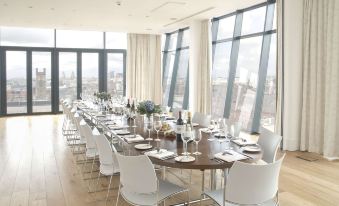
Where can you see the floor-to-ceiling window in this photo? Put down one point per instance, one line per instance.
(41, 66)
(175, 69)
(244, 66)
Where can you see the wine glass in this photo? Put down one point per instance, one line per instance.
(186, 136)
(149, 127)
(157, 127)
(197, 139)
(211, 128)
(222, 127)
(133, 115)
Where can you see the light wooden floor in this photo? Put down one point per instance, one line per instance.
(37, 168)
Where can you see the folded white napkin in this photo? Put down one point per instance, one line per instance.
(243, 142)
(117, 127)
(162, 154)
(230, 158)
(131, 139)
(206, 130)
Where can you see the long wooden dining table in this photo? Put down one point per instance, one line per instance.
(203, 162)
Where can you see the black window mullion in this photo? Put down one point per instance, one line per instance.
(164, 59)
(103, 69)
(124, 80)
(55, 81)
(233, 64)
(29, 80)
(175, 69)
(79, 74)
(262, 74)
(3, 105)
(215, 28)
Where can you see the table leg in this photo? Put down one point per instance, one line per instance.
(164, 173)
(213, 179)
(225, 181)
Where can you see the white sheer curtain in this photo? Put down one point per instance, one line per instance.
(203, 73)
(320, 113)
(144, 73)
(311, 114)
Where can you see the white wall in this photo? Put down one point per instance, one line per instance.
(293, 21)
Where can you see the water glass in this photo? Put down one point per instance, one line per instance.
(197, 139)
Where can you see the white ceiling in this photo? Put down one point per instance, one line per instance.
(138, 16)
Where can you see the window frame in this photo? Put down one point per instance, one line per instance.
(55, 73)
(178, 49)
(264, 56)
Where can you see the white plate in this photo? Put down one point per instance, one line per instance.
(185, 159)
(251, 149)
(143, 146)
(195, 124)
(123, 132)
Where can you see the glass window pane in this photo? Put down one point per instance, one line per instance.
(90, 73)
(180, 85)
(253, 21)
(173, 42)
(275, 17)
(226, 27)
(67, 76)
(41, 81)
(16, 82)
(185, 38)
(220, 77)
(168, 76)
(115, 40)
(79, 39)
(29, 37)
(245, 83)
(269, 103)
(115, 73)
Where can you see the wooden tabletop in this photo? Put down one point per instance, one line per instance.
(204, 161)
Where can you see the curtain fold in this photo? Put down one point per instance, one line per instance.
(144, 72)
(320, 84)
(203, 73)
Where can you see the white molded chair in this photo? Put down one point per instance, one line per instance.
(202, 119)
(139, 184)
(236, 129)
(175, 112)
(250, 184)
(269, 143)
(107, 156)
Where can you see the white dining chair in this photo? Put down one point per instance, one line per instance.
(201, 119)
(269, 143)
(249, 184)
(175, 112)
(236, 129)
(107, 157)
(139, 184)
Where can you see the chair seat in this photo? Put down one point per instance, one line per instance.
(166, 189)
(217, 196)
(108, 169)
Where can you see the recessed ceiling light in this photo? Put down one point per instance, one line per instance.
(52, 9)
(30, 7)
(146, 16)
(173, 19)
(129, 14)
(5, 4)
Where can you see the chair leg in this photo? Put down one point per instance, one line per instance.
(89, 181)
(116, 203)
(96, 187)
(109, 187)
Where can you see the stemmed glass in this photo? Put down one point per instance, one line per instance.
(222, 127)
(157, 127)
(149, 127)
(211, 128)
(197, 139)
(133, 115)
(186, 136)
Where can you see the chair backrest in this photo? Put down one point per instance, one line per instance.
(251, 183)
(137, 174)
(236, 129)
(175, 112)
(269, 143)
(165, 109)
(86, 131)
(107, 154)
(202, 119)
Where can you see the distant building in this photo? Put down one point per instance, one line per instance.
(40, 84)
